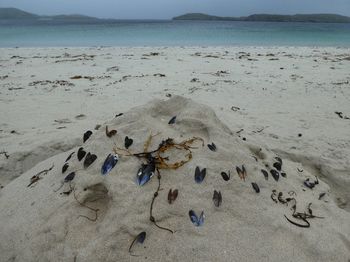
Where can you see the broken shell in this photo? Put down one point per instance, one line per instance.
(110, 133)
(225, 176)
(256, 187)
(69, 157)
(81, 153)
(172, 120)
(277, 165)
(86, 136)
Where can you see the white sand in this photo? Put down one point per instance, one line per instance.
(300, 98)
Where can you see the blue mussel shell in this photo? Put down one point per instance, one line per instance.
(145, 173)
(109, 163)
(197, 221)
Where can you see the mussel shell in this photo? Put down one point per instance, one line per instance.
(226, 176)
(109, 163)
(69, 157)
(145, 173)
(279, 160)
(212, 147)
(172, 195)
(278, 166)
(89, 159)
(199, 175)
(65, 167)
(266, 175)
(217, 198)
(283, 174)
(128, 142)
(69, 177)
(197, 221)
(140, 238)
(172, 120)
(256, 187)
(81, 153)
(275, 174)
(87, 135)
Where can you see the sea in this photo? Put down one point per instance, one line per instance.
(171, 33)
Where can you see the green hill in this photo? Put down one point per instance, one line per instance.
(14, 13)
(314, 18)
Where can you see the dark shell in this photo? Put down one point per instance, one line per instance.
(81, 153)
(69, 177)
(256, 187)
(225, 176)
(266, 175)
(87, 135)
(275, 174)
(212, 147)
(145, 173)
(172, 195)
(217, 198)
(172, 120)
(109, 163)
(279, 160)
(278, 166)
(128, 142)
(69, 157)
(118, 115)
(65, 167)
(309, 184)
(140, 238)
(283, 174)
(89, 159)
(197, 221)
(199, 175)
(321, 195)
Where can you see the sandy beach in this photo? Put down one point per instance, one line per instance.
(290, 102)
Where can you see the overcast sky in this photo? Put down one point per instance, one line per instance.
(164, 9)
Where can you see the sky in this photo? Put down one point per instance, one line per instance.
(166, 9)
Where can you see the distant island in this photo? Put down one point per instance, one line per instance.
(312, 18)
(17, 14)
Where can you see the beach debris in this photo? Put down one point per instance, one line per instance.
(118, 115)
(172, 120)
(199, 175)
(89, 159)
(217, 198)
(168, 95)
(300, 170)
(266, 175)
(340, 114)
(65, 167)
(197, 221)
(275, 174)
(5, 154)
(69, 157)
(110, 133)
(256, 187)
(212, 147)
(302, 216)
(128, 142)
(235, 108)
(109, 163)
(273, 196)
(146, 172)
(80, 116)
(81, 153)
(159, 74)
(283, 174)
(69, 177)
(226, 176)
(37, 177)
(321, 195)
(140, 238)
(242, 173)
(87, 135)
(172, 195)
(310, 184)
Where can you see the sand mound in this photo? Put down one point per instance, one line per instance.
(41, 223)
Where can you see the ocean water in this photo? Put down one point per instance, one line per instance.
(172, 33)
